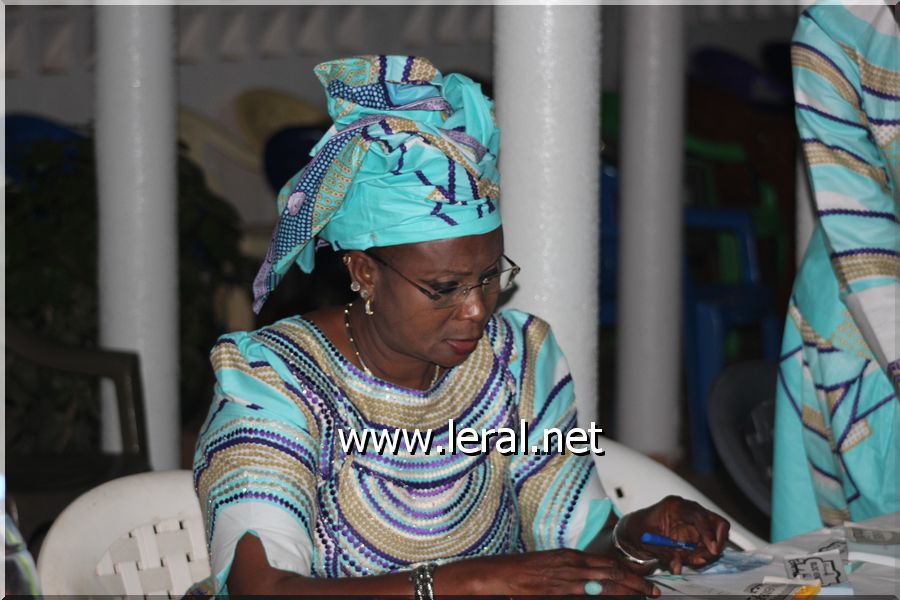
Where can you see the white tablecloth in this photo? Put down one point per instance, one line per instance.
(865, 579)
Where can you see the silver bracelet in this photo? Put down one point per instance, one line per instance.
(423, 582)
(625, 553)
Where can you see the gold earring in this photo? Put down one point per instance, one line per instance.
(355, 286)
(364, 294)
(346, 260)
(369, 310)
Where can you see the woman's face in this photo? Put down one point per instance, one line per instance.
(406, 320)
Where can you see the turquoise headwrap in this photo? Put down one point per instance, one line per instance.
(411, 157)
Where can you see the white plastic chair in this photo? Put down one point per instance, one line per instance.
(634, 480)
(137, 535)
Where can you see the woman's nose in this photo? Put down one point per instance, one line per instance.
(474, 306)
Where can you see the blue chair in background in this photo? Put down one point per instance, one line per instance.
(710, 309)
(609, 243)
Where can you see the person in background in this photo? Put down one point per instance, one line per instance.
(21, 576)
(405, 185)
(837, 411)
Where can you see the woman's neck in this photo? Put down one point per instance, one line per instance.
(382, 361)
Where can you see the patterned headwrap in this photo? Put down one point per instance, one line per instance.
(411, 157)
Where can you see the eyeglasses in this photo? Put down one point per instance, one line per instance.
(456, 295)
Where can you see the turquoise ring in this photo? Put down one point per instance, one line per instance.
(593, 587)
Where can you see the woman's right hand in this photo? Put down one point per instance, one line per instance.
(547, 573)
(550, 572)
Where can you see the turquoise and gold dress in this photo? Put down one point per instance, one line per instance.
(270, 459)
(837, 411)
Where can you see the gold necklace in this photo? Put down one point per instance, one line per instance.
(437, 368)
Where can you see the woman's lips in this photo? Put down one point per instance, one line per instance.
(463, 347)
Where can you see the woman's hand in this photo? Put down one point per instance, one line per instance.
(681, 520)
(551, 572)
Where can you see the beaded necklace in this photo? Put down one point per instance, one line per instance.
(365, 368)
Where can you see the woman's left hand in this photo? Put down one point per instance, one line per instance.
(678, 519)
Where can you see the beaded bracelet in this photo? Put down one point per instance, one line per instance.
(423, 582)
(625, 553)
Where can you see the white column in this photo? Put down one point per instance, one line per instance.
(650, 208)
(135, 111)
(547, 78)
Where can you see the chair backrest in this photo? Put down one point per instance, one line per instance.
(40, 486)
(742, 421)
(136, 535)
(122, 367)
(634, 480)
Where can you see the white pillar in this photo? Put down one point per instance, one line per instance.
(650, 209)
(547, 81)
(138, 275)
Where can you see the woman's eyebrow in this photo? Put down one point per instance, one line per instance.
(463, 273)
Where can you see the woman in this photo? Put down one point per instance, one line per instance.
(837, 422)
(406, 185)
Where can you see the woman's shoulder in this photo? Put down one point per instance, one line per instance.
(256, 345)
(519, 320)
(526, 331)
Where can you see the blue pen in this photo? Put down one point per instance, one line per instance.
(660, 540)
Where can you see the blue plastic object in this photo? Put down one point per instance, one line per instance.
(654, 539)
(609, 243)
(710, 312)
(23, 131)
(287, 151)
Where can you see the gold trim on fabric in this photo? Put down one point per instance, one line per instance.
(243, 464)
(236, 470)
(486, 187)
(832, 397)
(422, 70)
(832, 516)
(344, 170)
(403, 409)
(341, 110)
(887, 136)
(880, 79)
(374, 70)
(534, 341)
(394, 407)
(227, 356)
(815, 420)
(862, 266)
(437, 196)
(447, 148)
(807, 59)
(808, 334)
(561, 488)
(857, 434)
(819, 154)
(363, 518)
(848, 338)
(531, 494)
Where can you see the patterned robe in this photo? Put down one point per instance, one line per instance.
(270, 459)
(837, 417)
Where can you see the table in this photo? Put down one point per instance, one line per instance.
(865, 578)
